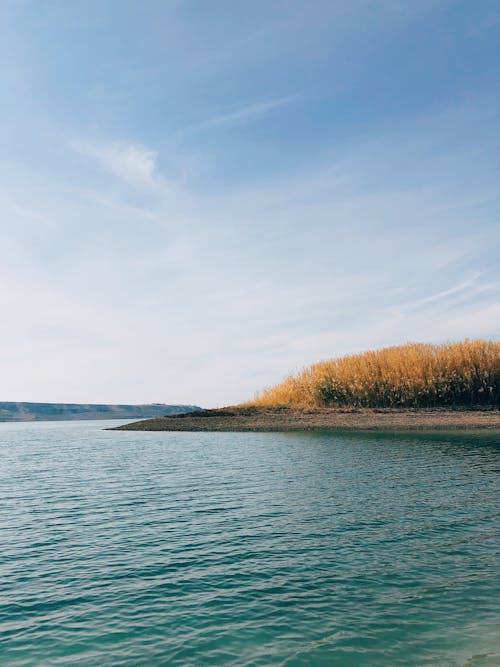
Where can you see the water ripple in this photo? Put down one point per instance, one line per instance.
(144, 549)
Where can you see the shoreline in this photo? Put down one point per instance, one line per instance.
(267, 419)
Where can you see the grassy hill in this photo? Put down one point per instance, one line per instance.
(415, 375)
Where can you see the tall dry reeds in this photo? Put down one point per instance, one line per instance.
(413, 375)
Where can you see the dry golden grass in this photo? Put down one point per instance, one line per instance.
(413, 375)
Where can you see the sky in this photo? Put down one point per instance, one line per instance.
(199, 198)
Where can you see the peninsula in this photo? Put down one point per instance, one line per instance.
(321, 419)
(408, 387)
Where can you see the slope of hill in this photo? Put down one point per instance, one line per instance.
(415, 376)
(14, 411)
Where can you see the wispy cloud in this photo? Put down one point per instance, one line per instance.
(442, 295)
(242, 114)
(133, 163)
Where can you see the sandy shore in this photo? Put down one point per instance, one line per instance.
(325, 419)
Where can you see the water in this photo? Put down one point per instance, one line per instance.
(247, 549)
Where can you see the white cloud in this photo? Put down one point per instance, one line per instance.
(242, 114)
(442, 295)
(133, 163)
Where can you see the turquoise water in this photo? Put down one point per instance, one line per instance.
(247, 549)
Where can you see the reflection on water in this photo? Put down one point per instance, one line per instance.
(124, 548)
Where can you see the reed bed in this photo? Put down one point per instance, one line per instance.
(414, 375)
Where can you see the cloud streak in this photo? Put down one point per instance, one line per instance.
(133, 163)
(242, 114)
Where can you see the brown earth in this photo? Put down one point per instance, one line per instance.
(322, 419)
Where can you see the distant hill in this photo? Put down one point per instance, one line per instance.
(417, 375)
(13, 411)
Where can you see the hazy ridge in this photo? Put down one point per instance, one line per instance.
(24, 411)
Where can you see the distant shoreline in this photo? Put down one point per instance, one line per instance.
(12, 411)
(262, 419)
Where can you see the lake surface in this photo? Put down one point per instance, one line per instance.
(126, 548)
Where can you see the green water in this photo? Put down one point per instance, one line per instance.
(123, 548)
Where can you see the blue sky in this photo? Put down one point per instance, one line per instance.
(197, 198)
